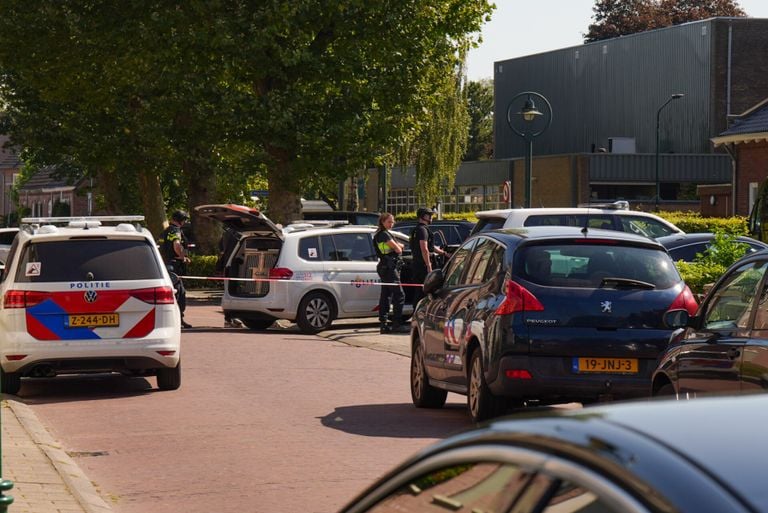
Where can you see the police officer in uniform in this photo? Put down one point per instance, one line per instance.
(390, 261)
(422, 246)
(173, 249)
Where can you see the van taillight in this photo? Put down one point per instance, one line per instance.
(24, 298)
(280, 273)
(685, 300)
(518, 299)
(154, 295)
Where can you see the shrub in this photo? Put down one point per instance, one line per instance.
(202, 265)
(692, 222)
(709, 266)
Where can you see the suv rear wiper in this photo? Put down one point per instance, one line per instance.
(626, 283)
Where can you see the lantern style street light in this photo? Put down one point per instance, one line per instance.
(675, 96)
(528, 130)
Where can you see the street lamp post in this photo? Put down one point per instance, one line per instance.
(675, 96)
(529, 113)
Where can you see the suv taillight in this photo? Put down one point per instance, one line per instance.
(24, 298)
(280, 273)
(519, 299)
(154, 295)
(685, 300)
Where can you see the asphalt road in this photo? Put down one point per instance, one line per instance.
(274, 422)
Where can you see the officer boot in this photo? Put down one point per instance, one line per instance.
(385, 328)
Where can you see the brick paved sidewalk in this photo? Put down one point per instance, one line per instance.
(45, 478)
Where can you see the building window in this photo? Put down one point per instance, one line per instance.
(470, 198)
(494, 197)
(400, 200)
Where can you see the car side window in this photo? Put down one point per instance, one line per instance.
(354, 246)
(645, 226)
(457, 264)
(731, 304)
(481, 259)
(482, 486)
(309, 249)
(688, 253)
(487, 486)
(328, 249)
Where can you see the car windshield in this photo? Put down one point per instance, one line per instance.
(87, 260)
(594, 265)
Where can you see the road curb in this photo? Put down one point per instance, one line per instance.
(74, 478)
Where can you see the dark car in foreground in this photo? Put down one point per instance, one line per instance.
(547, 314)
(723, 348)
(685, 246)
(644, 457)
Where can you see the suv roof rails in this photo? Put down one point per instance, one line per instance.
(69, 220)
(33, 225)
(616, 205)
(300, 226)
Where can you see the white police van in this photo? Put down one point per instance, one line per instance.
(87, 295)
(306, 273)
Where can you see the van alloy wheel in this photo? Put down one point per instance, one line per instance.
(315, 313)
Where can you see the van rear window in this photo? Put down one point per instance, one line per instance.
(87, 260)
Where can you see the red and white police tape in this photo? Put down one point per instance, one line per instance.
(356, 283)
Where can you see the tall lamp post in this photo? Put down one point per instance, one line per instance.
(528, 130)
(675, 96)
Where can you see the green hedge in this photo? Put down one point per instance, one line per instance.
(709, 266)
(202, 265)
(450, 216)
(692, 222)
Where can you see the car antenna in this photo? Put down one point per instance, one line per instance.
(585, 228)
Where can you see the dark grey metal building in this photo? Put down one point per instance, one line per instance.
(608, 96)
(611, 90)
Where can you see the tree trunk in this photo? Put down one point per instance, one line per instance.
(108, 188)
(284, 189)
(202, 191)
(152, 201)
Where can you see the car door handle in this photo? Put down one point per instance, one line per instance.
(733, 353)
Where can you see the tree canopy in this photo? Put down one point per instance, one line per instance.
(614, 18)
(480, 108)
(192, 99)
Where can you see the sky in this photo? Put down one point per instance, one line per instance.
(523, 27)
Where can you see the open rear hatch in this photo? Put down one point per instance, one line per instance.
(257, 251)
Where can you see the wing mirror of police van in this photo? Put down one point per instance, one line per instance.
(434, 281)
(677, 318)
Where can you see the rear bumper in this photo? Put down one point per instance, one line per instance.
(92, 355)
(552, 379)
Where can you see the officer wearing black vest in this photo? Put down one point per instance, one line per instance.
(422, 246)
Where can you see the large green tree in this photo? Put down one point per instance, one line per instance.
(614, 18)
(196, 96)
(480, 109)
